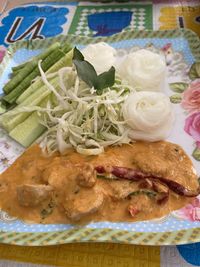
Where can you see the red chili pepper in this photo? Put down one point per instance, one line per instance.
(136, 175)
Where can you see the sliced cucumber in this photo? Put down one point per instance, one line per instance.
(66, 47)
(10, 121)
(28, 131)
(30, 90)
(38, 95)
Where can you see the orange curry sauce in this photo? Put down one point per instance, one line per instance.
(67, 189)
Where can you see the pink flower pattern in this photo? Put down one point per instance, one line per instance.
(191, 103)
(2, 53)
(191, 97)
(198, 144)
(191, 211)
(192, 126)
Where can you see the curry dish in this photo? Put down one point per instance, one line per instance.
(126, 183)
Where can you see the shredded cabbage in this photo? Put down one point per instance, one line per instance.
(80, 118)
(77, 117)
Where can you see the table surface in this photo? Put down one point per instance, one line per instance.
(97, 255)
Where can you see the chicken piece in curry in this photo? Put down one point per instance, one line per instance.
(133, 182)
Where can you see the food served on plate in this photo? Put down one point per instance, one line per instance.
(75, 106)
(125, 183)
(91, 120)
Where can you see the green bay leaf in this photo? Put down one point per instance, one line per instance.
(105, 79)
(78, 55)
(88, 74)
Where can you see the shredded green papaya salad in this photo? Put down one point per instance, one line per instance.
(67, 102)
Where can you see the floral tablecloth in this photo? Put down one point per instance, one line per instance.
(20, 20)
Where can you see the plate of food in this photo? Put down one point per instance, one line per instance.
(100, 139)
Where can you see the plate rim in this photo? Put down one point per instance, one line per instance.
(78, 234)
(192, 38)
(82, 235)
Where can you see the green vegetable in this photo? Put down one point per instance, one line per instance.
(42, 56)
(65, 61)
(16, 80)
(29, 91)
(46, 64)
(72, 101)
(28, 131)
(2, 107)
(38, 95)
(9, 120)
(66, 48)
(105, 79)
(88, 74)
(76, 118)
(14, 73)
(20, 67)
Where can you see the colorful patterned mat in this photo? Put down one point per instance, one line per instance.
(93, 19)
(97, 19)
